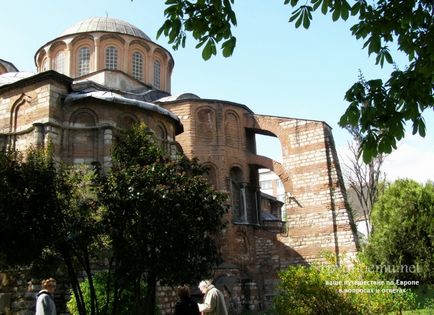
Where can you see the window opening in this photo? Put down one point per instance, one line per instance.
(59, 62)
(83, 61)
(138, 66)
(157, 77)
(111, 58)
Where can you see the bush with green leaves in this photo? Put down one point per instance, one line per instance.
(402, 241)
(329, 289)
(104, 297)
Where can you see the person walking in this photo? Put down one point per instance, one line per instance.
(185, 305)
(45, 299)
(214, 300)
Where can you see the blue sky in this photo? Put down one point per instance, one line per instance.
(275, 70)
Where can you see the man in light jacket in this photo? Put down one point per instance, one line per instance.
(214, 301)
(45, 302)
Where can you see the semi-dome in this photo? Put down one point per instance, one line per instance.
(104, 24)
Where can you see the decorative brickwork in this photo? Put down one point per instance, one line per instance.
(81, 117)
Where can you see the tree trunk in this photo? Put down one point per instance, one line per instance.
(93, 300)
(150, 303)
(74, 282)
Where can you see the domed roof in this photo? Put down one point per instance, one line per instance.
(105, 24)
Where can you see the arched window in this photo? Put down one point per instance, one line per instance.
(83, 61)
(238, 195)
(138, 66)
(232, 135)
(59, 62)
(157, 74)
(83, 119)
(211, 175)
(44, 65)
(161, 134)
(111, 58)
(206, 123)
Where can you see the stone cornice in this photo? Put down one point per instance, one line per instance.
(39, 77)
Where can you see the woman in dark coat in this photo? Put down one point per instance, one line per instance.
(185, 305)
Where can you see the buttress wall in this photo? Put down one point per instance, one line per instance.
(318, 217)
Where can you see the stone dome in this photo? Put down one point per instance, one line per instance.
(105, 24)
(103, 44)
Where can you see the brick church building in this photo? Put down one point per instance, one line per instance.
(103, 74)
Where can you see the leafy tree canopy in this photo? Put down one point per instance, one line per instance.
(403, 228)
(380, 109)
(25, 206)
(162, 216)
(49, 215)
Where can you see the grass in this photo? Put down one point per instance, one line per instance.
(425, 311)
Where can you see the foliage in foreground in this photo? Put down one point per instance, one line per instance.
(402, 242)
(147, 210)
(380, 109)
(50, 212)
(162, 217)
(104, 300)
(329, 290)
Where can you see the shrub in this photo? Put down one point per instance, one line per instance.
(328, 289)
(403, 227)
(100, 283)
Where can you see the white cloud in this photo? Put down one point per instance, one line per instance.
(414, 158)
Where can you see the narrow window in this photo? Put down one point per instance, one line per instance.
(44, 65)
(59, 62)
(238, 195)
(83, 61)
(162, 136)
(138, 66)
(111, 58)
(157, 67)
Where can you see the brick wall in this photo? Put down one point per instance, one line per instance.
(317, 217)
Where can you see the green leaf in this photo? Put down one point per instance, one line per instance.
(353, 115)
(336, 13)
(369, 148)
(216, 5)
(355, 9)
(160, 31)
(345, 11)
(229, 46)
(422, 130)
(207, 50)
(176, 27)
(201, 42)
(295, 14)
(306, 22)
(374, 44)
(316, 4)
(299, 21)
(385, 145)
(380, 59)
(307, 16)
(325, 7)
(389, 58)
